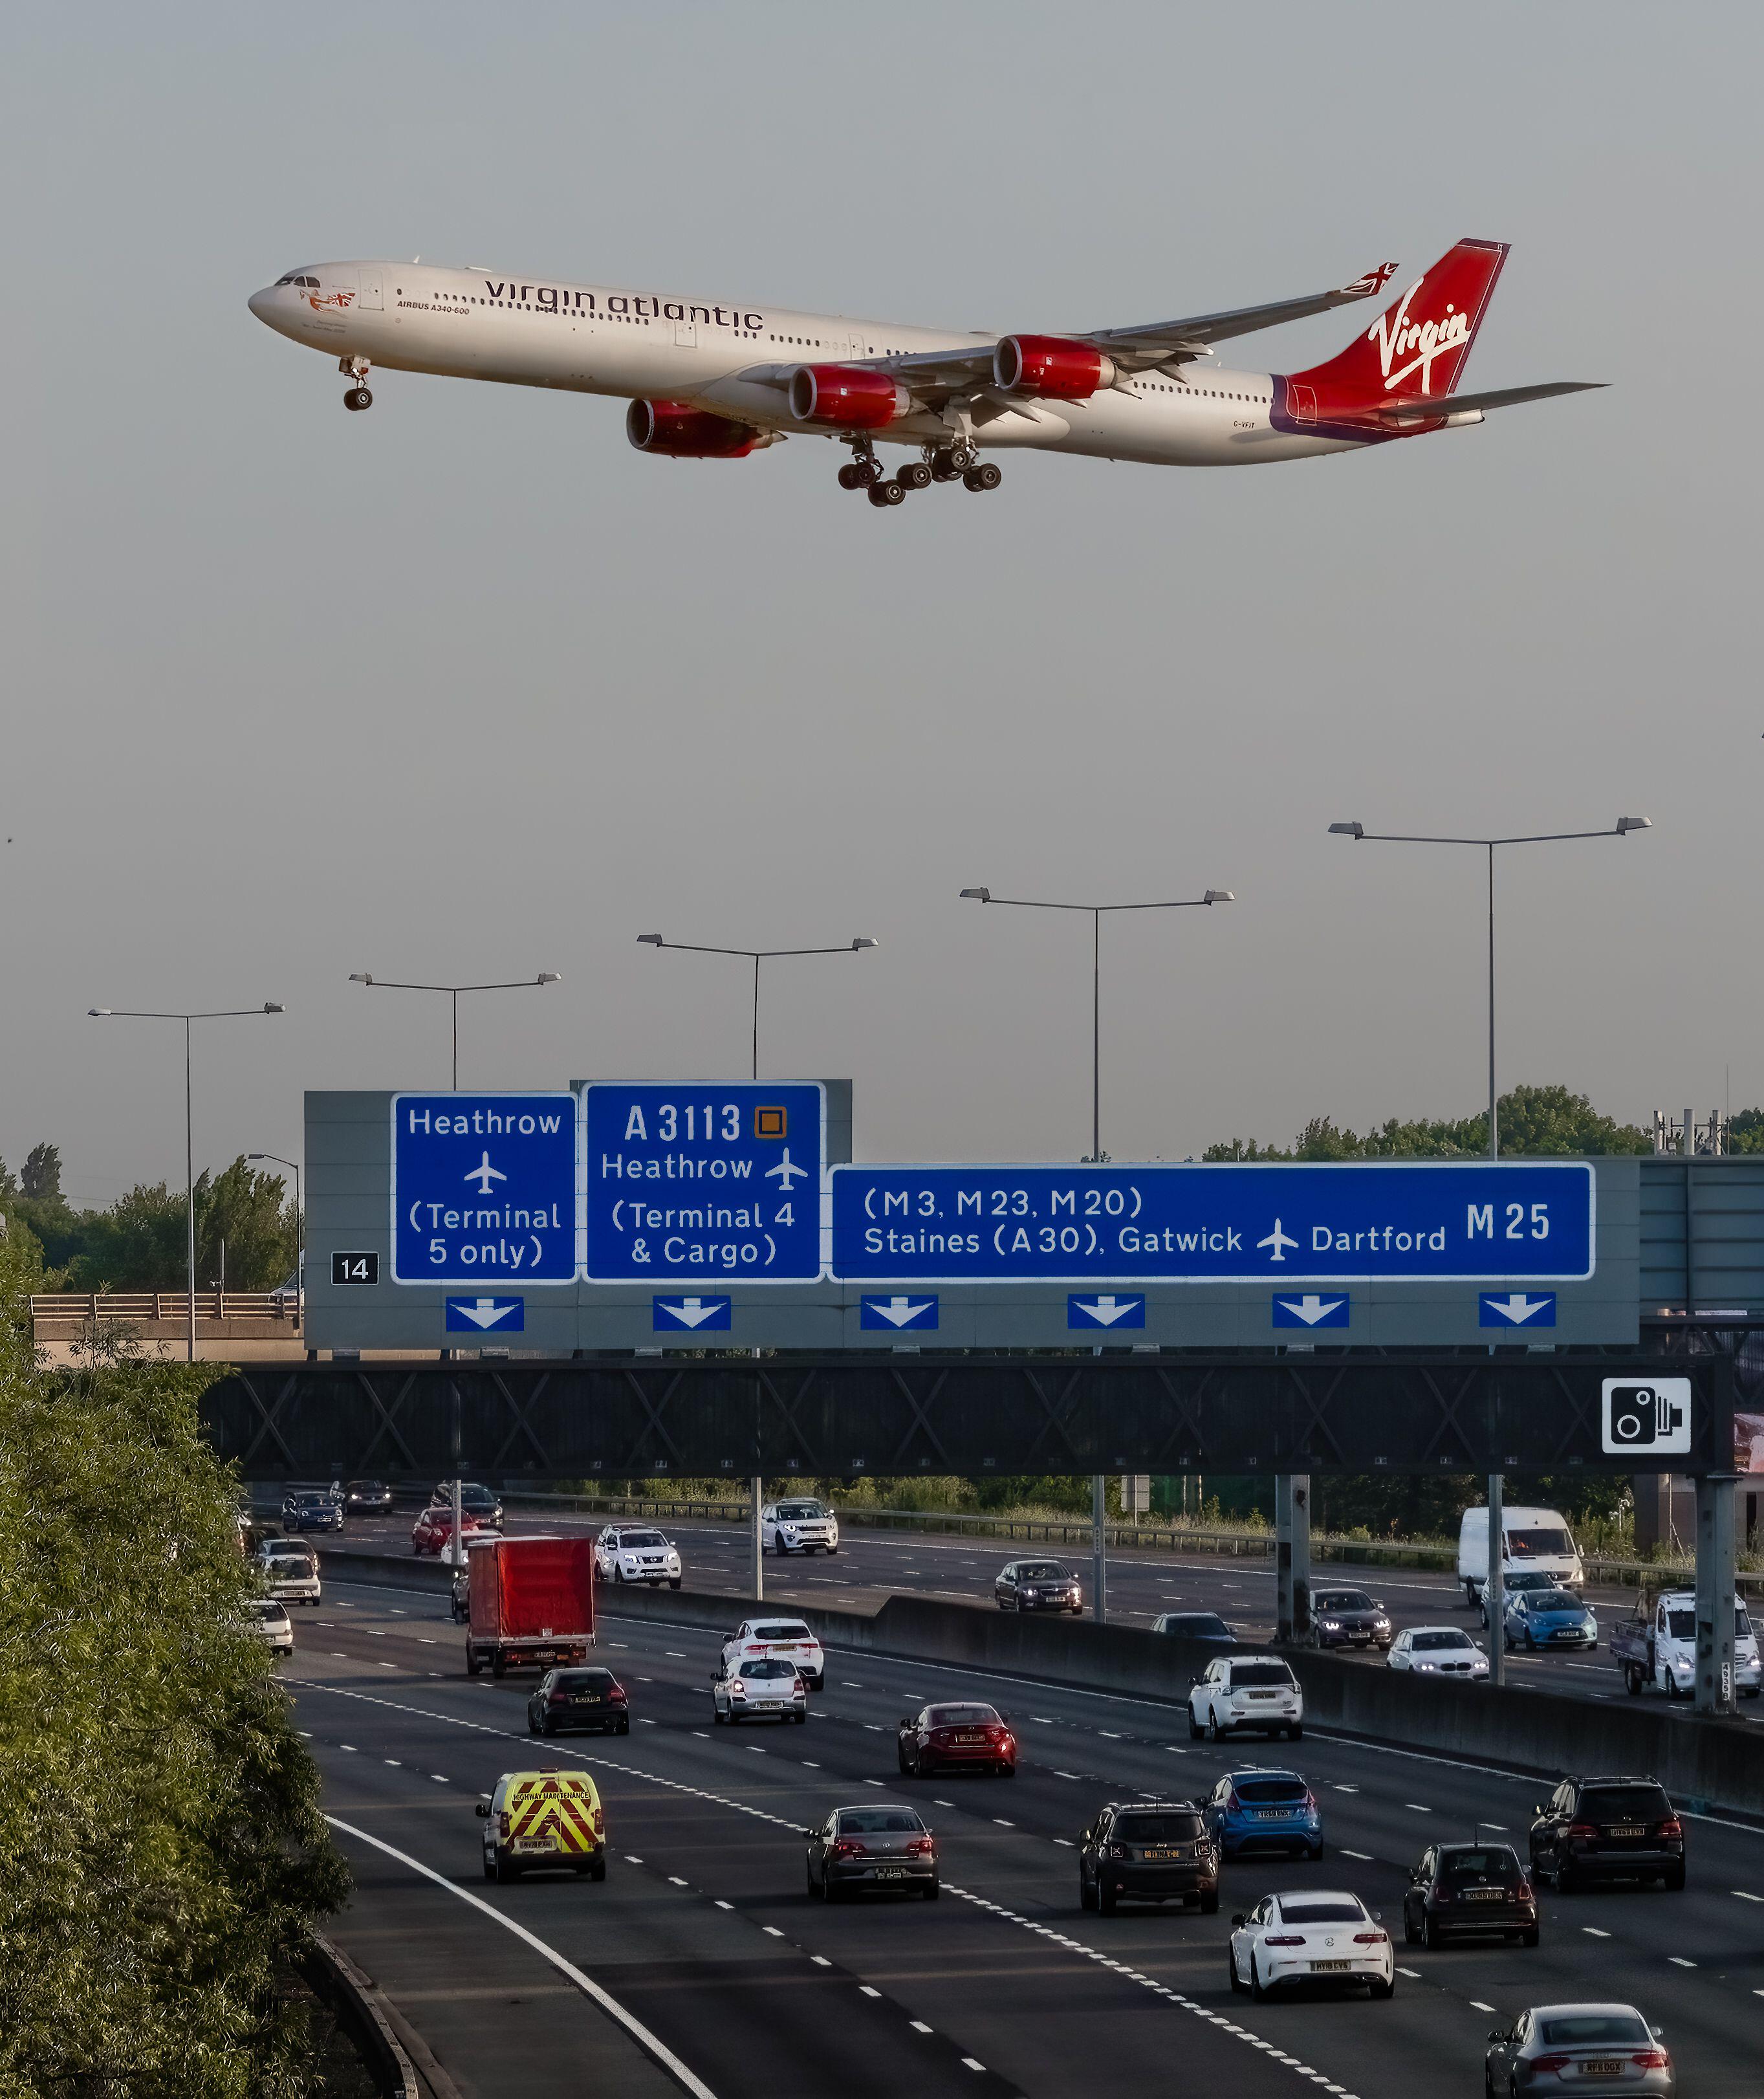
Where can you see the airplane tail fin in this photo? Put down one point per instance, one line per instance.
(1418, 346)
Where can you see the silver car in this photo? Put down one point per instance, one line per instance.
(290, 1572)
(765, 1687)
(268, 1619)
(1577, 2047)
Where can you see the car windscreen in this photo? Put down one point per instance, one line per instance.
(794, 1632)
(271, 1610)
(1447, 1637)
(284, 1565)
(1043, 1570)
(1553, 1599)
(767, 1666)
(878, 1822)
(1346, 1599)
(1596, 2029)
(583, 1679)
(651, 1541)
(1537, 1544)
(366, 1487)
(1487, 1862)
(1319, 1909)
(961, 1716)
(1260, 1673)
(1200, 1625)
(1683, 1624)
(1139, 1828)
(1266, 1792)
(801, 1513)
(1528, 1578)
(476, 1497)
(1625, 1803)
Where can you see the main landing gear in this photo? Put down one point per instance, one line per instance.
(957, 462)
(356, 368)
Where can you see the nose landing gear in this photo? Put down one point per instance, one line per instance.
(356, 368)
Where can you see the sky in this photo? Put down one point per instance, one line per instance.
(467, 689)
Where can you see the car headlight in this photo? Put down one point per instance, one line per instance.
(1331, 1625)
(1382, 1624)
(1425, 1664)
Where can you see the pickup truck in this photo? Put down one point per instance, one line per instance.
(1656, 1649)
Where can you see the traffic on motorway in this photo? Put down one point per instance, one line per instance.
(1593, 1938)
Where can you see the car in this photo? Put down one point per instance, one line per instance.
(474, 1500)
(290, 1571)
(433, 1530)
(1549, 1617)
(1516, 1580)
(312, 1508)
(566, 1698)
(1349, 1617)
(367, 1497)
(1257, 1810)
(1459, 1888)
(880, 1846)
(269, 1620)
(956, 1737)
(1577, 2047)
(761, 1687)
(635, 1553)
(1155, 1851)
(1329, 1937)
(1438, 1650)
(542, 1820)
(1195, 1625)
(1608, 1829)
(459, 1590)
(789, 1637)
(1038, 1585)
(798, 1526)
(1237, 1695)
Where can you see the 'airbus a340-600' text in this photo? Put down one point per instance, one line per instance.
(708, 380)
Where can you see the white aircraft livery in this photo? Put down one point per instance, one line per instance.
(713, 380)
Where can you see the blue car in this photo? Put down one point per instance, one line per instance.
(1264, 1810)
(1537, 1618)
(311, 1509)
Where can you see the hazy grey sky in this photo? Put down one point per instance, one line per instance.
(467, 686)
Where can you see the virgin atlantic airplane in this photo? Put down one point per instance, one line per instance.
(719, 381)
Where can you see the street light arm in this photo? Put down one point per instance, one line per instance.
(1621, 829)
(1166, 904)
(230, 1013)
(751, 954)
(517, 983)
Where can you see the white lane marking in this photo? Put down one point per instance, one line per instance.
(439, 1780)
(349, 1746)
(875, 1781)
(754, 1749)
(1477, 2005)
(1501, 1826)
(1679, 1961)
(1003, 1823)
(918, 2026)
(1413, 1974)
(655, 2046)
(943, 1803)
(721, 1904)
(820, 1960)
(1744, 1896)
(673, 1654)
(1345, 1788)
(395, 1762)
(868, 1990)
(968, 2062)
(1592, 1931)
(1040, 1721)
(1060, 1774)
(771, 1931)
(698, 1734)
(424, 1640)
(1416, 1805)
(674, 1880)
(1364, 1857)
(337, 1657)
(1066, 1842)
(630, 1857)
(643, 1722)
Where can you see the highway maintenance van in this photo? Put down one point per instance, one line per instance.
(1536, 1538)
(543, 1821)
(532, 1601)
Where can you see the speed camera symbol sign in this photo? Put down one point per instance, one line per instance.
(1651, 1415)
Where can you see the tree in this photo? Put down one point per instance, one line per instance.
(41, 1176)
(139, 1243)
(1535, 1121)
(244, 1211)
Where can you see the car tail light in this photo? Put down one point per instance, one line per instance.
(1442, 1895)
(921, 1847)
(1651, 2058)
(600, 1828)
(1671, 1826)
(1274, 1941)
(1523, 1892)
(1541, 2066)
(1581, 1829)
(557, 1697)
(1370, 1938)
(848, 1847)
(1118, 1851)
(616, 1697)
(1310, 1802)
(502, 1826)
(995, 1735)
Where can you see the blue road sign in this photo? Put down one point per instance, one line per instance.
(1107, 1310)
(484, 1315)
(694, 1315)
(483, 1188)
(1486, 1221)
(1311, 1308)
(897, 1312)
(696, 1184)
(1517, 1308)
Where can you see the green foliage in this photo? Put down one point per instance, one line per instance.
(161, 1847)
(1745, 1131)
(245, 1210)
(41, 1177)
(1535, 1122)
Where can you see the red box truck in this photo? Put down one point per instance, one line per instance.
(532, 1601)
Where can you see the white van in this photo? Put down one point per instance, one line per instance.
(1537, 1538)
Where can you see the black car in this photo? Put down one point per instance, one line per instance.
(1158, 1852)
(1608, 1829)
(367, 1497)
(1469, 1887)
(567, 1698)
(1349, 1617)
(1196, 1625)
(872, 1847)
(474, 1501)
(1038, 1585)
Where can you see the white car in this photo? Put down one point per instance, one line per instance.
(798, 1526)
(1438, 1650)
(269, 1620)
(460, 1555)
(290, 1572)
(788, 1637)
(1326, 1937)
(635, 1553)
(1245, 1694)
(764, 1686)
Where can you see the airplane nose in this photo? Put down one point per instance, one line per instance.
(261, 302)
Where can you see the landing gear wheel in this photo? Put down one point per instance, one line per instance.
(914, 475)
(851, 475)
(962, 457)
(358, 397)
(869, 471)
(887, 495)
(943, 468)
(985, 476)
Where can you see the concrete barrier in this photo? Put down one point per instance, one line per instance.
(1704, 1765)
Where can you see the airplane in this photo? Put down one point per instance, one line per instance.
(484, 1175)
(1279, 1241)
(712, 380)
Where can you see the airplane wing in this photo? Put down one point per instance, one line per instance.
(1422, 409)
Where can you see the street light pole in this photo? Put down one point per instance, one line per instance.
(232, 1013)
(292, 1165)
(453, 991)
(756, 956)
(982, 895)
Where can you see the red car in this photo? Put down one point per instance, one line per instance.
(955, 1738)
(433, 1529)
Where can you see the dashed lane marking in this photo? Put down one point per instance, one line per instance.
(869, 1989)
(820, 1960)
(918, 2026)
(720, 1904)
(1679, 1961)
(674, 1881)
(1744, 1895)
(1592, 1931)
(1364, 1857)
(1477, 2005)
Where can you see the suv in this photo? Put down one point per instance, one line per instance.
(1238, 1694)
(798, 1526)
(1605, 1829)
(1468, 1887)
(1161, 1852)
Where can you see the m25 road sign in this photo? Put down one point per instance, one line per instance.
(483, 1188)
(1526, 1221)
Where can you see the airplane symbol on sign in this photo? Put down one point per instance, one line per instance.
(1278, 1240)
(484, 1175)
(784, 1172)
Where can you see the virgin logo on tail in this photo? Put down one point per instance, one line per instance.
(1397, 335)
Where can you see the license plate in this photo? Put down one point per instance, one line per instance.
(589, 1698)
(1330, 1967)
(963, 1740)
(1163, 1854)
(891, 1872)
(532, 1843)
(1270, 1814)
(1265, 1694)
(1601, 2070)
(1626, 1833)
(1483, 1894)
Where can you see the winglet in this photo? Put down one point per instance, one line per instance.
(1371, 283)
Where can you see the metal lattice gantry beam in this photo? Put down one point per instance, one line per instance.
(838, 1416)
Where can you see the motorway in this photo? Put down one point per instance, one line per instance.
(873, 1564)
(703, 1936)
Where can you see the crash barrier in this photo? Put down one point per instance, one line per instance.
(1704, 1764)
(361, 2010)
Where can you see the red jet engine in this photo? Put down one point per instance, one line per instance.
(1049, 366)
(843, 397)
(675, 430)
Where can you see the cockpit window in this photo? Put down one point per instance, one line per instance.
(311, 284)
